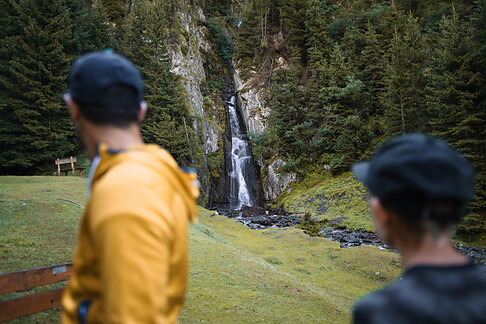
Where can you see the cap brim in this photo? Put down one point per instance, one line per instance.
(361, 171)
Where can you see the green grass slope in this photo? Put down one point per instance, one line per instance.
(237, 275)
(38, 229)
(327, 197)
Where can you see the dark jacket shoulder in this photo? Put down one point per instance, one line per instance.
(428, 294)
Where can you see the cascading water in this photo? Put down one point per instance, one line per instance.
(240, 161)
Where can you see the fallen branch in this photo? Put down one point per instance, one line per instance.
(71, 202)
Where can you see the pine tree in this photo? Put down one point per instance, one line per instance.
(116, 10)
(288, 119)
(453, 94)
(145, 42)
(371, 66)
(318, 42)
(35, 125)
(342, 132)
(254, 31)
(404, 99)
(90, 31)
(292, 17)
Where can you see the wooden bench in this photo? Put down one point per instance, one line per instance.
(28, 279)
(71, 160)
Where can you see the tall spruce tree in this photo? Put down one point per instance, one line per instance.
(90, 28)
(145, 42)
(456, 114)
(318, 43)
(343, 130)
(289, 118)
(292, 17)
(404, 99)
(35, 127)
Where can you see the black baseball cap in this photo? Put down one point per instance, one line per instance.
(409, 171)
(91, 74)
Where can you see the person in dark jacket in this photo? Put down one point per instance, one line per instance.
(420, 187)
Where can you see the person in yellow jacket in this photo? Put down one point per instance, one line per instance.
(130, 264)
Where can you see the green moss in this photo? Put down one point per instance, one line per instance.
(273, 260)
(326, 197)
(215, 162)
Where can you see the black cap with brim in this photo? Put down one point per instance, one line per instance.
(414, 169)
(361, 170)
(92, 73)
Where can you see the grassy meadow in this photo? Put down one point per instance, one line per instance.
(237, 275)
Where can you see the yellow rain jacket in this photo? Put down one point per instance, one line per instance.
(130, 265)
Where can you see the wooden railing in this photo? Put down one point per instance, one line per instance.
(28, 279)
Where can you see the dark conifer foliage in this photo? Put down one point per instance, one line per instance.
(363, 71)
(35, 125)
(144, 40)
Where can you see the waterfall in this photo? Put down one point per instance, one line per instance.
(240, 161)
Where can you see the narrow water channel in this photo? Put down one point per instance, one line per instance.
(240, 161)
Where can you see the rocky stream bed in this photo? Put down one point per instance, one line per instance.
(261, 218)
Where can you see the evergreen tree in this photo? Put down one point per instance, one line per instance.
(456, 114)
(371, 67)
(91, 30)
(478, 65)
(253, 39)
(145, 42)
(288, 119)
(116, 10)
(34, 123)
(292, 17)
(404, 99)
(344, 127)
(247, 34)
(318, 42)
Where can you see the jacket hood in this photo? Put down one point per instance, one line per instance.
(156, 159)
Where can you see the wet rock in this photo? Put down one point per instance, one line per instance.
(337, 221)
(261, 218)
(326, 231)
(477, 254)
(249, 211)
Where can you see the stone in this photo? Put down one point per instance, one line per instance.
(275, 183)
(190, 68)
(337, 221)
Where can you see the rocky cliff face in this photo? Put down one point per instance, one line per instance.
(188, 63)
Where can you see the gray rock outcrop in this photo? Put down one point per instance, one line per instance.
(187, 62)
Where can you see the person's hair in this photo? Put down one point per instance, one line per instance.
(419, 213)
(120, 107)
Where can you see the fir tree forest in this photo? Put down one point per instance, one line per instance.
(356, 73)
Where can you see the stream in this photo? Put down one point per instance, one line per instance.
(258, 218)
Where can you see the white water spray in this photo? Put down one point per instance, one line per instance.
(240, 161)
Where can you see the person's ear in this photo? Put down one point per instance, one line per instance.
(73, 108)
(143, 111)
(381, 216)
